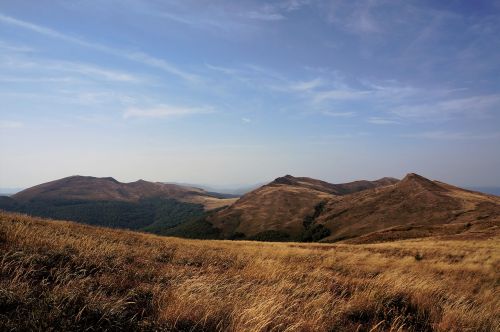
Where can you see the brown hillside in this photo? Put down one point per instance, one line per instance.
(414, 201)
(282, 205)
(92, 188)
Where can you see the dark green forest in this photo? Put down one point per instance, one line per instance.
(154, 215)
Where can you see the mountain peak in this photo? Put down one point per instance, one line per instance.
(86, 177)
(415, 177)
(109, 178)
(287, 179)
(412, 180)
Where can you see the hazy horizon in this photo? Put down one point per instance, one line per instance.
(231, 93)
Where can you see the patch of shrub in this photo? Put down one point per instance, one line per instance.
(237, 236)
(196, 229)
(271, 236)
(315, 233)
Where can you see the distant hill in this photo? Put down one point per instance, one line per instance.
(304, 209)
(151, 206)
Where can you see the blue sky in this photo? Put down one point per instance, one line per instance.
(237, 92)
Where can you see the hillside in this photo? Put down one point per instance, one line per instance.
(277, 211)
(108, 189)
(304, 209)
(415, 203)
(150, 206)
(59, 276)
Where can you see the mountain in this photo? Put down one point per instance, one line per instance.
(99, 189)
(274, 211)
(304, 209)
(416, 204)
(150, 206)
(286, 209)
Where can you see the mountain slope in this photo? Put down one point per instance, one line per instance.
(279, 209)
(414, 201)
(109, 189)
(304, 209)
(150, 206)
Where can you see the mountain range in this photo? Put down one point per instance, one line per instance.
(139, 205)
(286, 209)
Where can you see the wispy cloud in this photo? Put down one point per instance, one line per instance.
(340, 95)
(265, 14)
(307, 85)
(385, 101)
(6, 46)
(354, 16)
(381, 121)
(88, 70)
(139, 57)
(165, 111)
(469, 106)
(11, 79)
(246, 120)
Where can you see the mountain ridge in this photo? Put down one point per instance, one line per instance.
(107, 188)
(288, 208)
(304, 209)
(138, 205)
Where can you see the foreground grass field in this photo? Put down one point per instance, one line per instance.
(66, 276)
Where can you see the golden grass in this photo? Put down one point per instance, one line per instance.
(65, 276)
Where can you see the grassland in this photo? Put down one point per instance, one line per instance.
(65, 276)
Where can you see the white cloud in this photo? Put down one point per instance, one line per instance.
(165, 111)
(246, 120)
(6, 124)
(382, 121)
(139, 57)
(307, 85)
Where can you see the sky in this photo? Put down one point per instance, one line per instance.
(240, 92)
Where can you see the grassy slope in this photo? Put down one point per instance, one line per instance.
(69, 276)
(415, 201)
(281, 206)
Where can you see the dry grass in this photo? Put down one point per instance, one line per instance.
(66, 276)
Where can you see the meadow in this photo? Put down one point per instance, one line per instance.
(57, 275)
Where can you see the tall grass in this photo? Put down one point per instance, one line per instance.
(64, 276)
